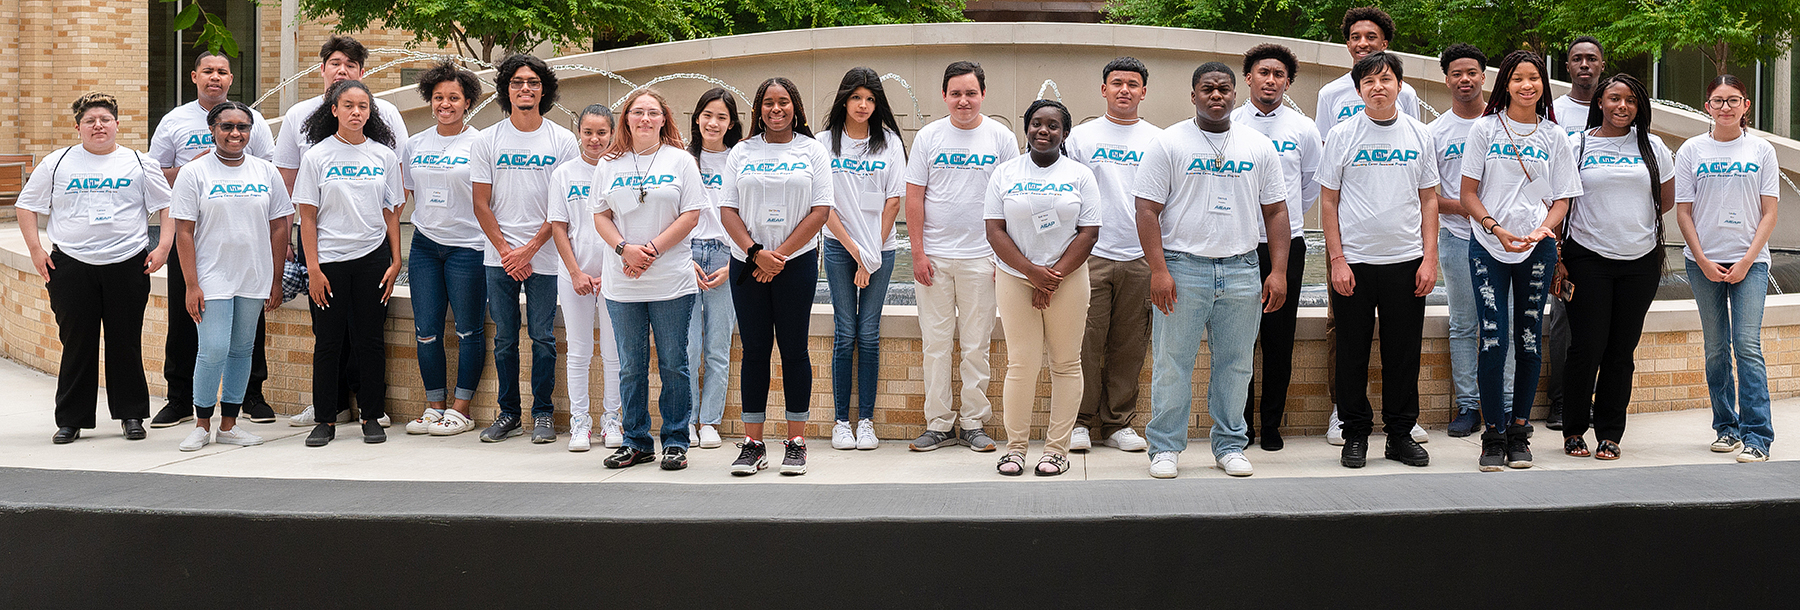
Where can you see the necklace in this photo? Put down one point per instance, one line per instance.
(1218, 152)
(590, 160)
(1509, 129)
(643, 180)
(1120, 121)
(222, 157)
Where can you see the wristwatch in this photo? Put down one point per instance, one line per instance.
(620, 249)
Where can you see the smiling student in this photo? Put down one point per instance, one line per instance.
(582, 257)
(712, 130)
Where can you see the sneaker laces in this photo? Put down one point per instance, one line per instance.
(749, 451)
(794, 451)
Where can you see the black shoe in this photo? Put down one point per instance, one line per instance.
(372, 432)
(1467, 422)
(1493, 451)
(1403, 449)
(1518, 446)
(674, 458)
(172, 414)
(258, 410)
(627, 457)
(134, 429)
(321, 435)
(1271, 439)
(752, 457)
(1355, 453)
(1554, 420)
(66, 435)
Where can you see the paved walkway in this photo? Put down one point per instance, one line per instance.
(1654, 439)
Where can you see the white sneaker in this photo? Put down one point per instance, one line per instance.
(384, 421)
(200, 437)
(709, 437)
(581, 438)
(610, 433)
(237, 436)
(1334, 428)
(865, 435)
(1163, 464)
(1126, 439)
(1078, 439)
(841, 436)
(1419, 436)
(1235, 464)
(422, 425)
(452, 424)
(693, 434)
(304, 418)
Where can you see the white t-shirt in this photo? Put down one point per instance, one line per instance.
(1042, 206)
(351, 186)
(99, 205)
(1615, 216)
(1495, 156)
(773, 186)
(861, 184)
(437, 173)
(570, 187)
(1570, 114)
(1726, 181)
(183, 135)
(1297, 143)
(712, 176)
(668, 181)
(518, 165)
(1113, 152)
(1449, 137)
(1378, 172)
(954, 165)
(291, 146)
(231, 208)
(1211, 202)
(1338, 101)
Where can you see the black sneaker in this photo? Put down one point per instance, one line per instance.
(543, 430)
(1271, 439)
(1403, 449)
(1355, 453)
(372, 432)
(503, 426)
(1554, 420)
(627, 457)
(793, 459)
(753, 456)
(1518, 446)
(171, 415)
(1493, 451)
(321, 435)
(258, 410)
(674, 458)
(1467, 422)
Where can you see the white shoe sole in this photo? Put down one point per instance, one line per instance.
(749, 469)
(1723, 449)
(237, 443)
(613, 441)
(451, 431)
(580, 447)
(850, 446)
(1134, 449)
(793, 471)
(1164, 475)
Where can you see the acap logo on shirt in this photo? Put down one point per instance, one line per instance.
(438, 160)
(1594, 160)
(1040, 187)
(766, 167)
(1117, 155)
(963, 160)
(1454, 151)
(1349, 111)
(354, 171)
(234, 189)
(1284, 146)
(1514, 150)
(1385, 155)
(524, 160)
(199, 140)
(857, 165)
(1206, 165)
(637, 181)
(711, 180)
(97, 184)
(578, 191)
(1721, 169)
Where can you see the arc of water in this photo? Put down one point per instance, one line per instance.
(1051, 85)
(688, 75)
(1681, 106)
(909, 92)
(1434, 113)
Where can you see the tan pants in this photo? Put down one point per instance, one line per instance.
(1028, 332)
(957, 310)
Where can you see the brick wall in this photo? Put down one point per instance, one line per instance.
(54, 52)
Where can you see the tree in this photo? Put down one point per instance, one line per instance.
(1422, 26)
(213, 34)
(1724, 30)
(513, 25)
(722, 18)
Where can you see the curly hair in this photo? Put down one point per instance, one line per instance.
(94, 100)
(1461, 50)
(322, 123)
(1372, 15)
(503, 77)
(447, 71)
(1272, 51)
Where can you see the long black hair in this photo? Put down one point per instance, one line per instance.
(1500, 99)
(1641, 121)
(1041, 104)
(733, 132)
(322, 124)
(879, 123)
(800, 126)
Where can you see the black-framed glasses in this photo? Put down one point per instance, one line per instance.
(1726, 102)
(231, 127)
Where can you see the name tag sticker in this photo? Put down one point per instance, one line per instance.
(1732, 219)
(1221, 204)
(1046, 221)
(437, 198)
(775, 214)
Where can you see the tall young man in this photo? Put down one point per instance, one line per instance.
(511, 165)
(181, 137)
(1204, 188)
(953, 266)
(1586, 64)
(1118, 322)
(1268, 72)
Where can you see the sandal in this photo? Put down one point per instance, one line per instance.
(1056, 461)
(1607, 450)
(1014, 459)
(1575, 446)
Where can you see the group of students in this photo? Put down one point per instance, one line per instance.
(1160, 235)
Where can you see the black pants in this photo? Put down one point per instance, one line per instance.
(85, 299)
(770, 315)
(351, 326)
(182, 345)
(1277, 339)
(1389, 289)
(1606, 319)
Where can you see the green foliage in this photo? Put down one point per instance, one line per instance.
(1726, 31)
(718, 18)
(213, 34)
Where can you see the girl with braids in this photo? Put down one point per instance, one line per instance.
(1517, 178)
(1612, 255)
(1726, 193)
(1042, 212)
(349, 195)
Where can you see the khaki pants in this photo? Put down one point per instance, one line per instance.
(957, 306)
(1029, 331)
(1117, 340)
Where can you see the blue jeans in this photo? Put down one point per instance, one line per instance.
(1731, 320)
(1223, 298)
(227, 332)
(1453, 259)
(856, 316)
(633, 324)
(709, 336)
(438, 274)
(1527, 283)
(540, 315)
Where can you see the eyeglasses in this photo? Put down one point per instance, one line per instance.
(1726, 102)
(525, 84)
(645, 114)
(231, 127)
(97, 119)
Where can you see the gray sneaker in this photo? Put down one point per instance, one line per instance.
(504, 426)
(932, 439)
(977, 439)
(544, 430)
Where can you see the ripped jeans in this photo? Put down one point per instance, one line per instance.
(1528, 284)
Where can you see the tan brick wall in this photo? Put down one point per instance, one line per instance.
(55, 51)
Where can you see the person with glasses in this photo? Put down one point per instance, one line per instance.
(1727, 193)
(99, 197)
